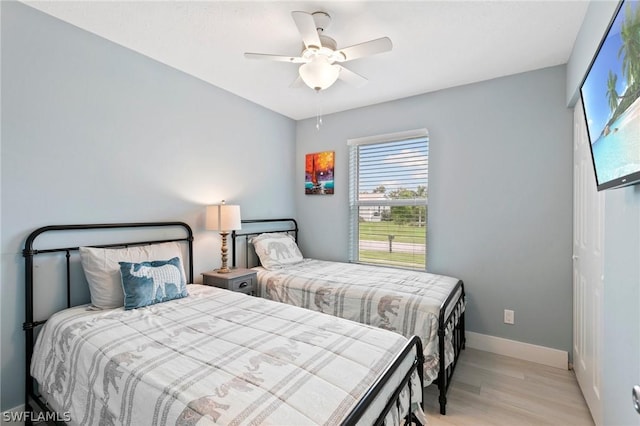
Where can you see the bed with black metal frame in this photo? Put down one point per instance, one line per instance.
(34, 320)
(451, 321)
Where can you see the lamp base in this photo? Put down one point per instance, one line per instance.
(224, 269)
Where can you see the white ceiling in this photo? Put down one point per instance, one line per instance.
(436, 44)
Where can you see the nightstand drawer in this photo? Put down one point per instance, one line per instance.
(240, 280)
(244, 285)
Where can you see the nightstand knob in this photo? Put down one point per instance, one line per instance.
(243, 284)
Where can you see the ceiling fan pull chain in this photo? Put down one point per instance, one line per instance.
(318, 110)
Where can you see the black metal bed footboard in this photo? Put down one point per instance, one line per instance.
(356, 414)
(29, 252)
(451, 320)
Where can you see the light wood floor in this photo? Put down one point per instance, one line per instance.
(489, 389)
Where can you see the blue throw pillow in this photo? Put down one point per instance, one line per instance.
(147, 283)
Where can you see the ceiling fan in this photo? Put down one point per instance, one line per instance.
(320, 57)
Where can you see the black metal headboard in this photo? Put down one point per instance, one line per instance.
(29, 252)
(257, 227)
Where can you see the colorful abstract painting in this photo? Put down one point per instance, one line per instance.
(319, 173)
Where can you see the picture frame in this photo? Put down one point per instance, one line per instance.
(319, 173)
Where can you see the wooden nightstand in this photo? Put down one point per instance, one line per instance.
(240, 280)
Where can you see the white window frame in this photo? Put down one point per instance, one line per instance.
(354, 200)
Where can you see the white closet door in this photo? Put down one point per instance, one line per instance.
(588, 237)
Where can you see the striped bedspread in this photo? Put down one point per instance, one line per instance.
(403, 301)
(214, 357)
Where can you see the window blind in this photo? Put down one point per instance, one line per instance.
(388, 199)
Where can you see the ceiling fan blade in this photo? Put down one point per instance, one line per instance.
(367, 48)
(278, 58)
(307, 28)
(351, 77)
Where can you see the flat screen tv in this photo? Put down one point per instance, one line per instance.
(610, 95)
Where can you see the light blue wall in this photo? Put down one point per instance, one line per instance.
(500, 196)
(621, 296)
(93, 132)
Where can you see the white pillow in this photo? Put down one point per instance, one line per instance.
(276, 250)
(102, 270)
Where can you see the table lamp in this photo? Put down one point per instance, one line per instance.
(224, 218)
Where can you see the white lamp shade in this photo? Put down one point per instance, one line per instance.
(223, 217)
(319, 73)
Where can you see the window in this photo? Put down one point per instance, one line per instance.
(388, 193)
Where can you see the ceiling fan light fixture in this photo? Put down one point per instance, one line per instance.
(321, 56)
(318, 73)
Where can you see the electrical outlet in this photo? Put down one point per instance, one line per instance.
(509, 316)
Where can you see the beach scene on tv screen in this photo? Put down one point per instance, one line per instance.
(611, 98)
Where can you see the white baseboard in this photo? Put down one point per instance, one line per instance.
(5, 415)
(525, 351)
